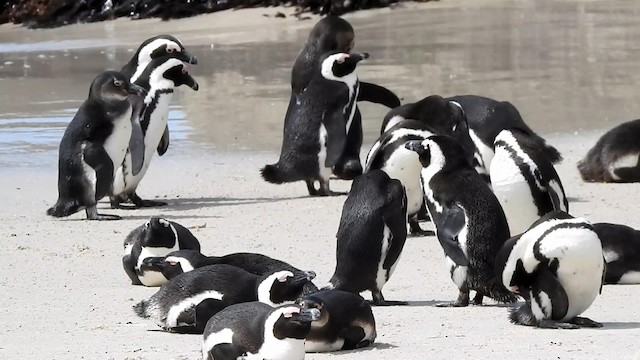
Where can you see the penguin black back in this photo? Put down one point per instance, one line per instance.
(621, 249)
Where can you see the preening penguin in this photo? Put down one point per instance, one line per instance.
(621, 249)
(346, 321)
(315, 133)
(160, 77)
(94, 144)
(469, 221)
(181, 261)
(156, 237)
(558, 267)
(254, 330)
(524, 180)
(371, 235)
(615, 157)
(187, 302)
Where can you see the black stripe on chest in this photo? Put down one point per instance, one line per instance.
(150, 108)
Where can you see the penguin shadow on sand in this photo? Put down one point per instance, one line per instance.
(376, 346)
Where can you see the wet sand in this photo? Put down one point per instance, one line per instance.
(569, 67)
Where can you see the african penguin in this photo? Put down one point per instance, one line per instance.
(160, 77)
(524, 180)
(558, 267)
(469, 221)
(615, 157)
(371, 235)
(346, 321)
(315, 133)
(486, 118)
(181, 261)
(333, 33)
(156, 237)
(621, 249)
(186, 302)
(152, 48)
(254, 330)
(93, 145)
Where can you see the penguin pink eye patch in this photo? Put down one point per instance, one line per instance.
(342, 58)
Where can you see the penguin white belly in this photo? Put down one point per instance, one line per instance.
(176, 310)
(325, 172)
(382, 274)
(273, 348)
(627, 161)
(458, 273)
(89, 174)
(117, 143)
(405, 166)
(630, 277)
(486, 153)
(513, 193)
(311, 346)
(153, 278)
(224, 336)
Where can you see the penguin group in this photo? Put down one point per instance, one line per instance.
(467, 166)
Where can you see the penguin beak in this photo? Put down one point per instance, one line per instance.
(308, 315)
(188, 58)
(357, 57)
(137, 90)
(193, 84)
(154, 263)
(301, 278)
(414, 145)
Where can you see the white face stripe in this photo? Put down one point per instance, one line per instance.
(436, 164)
(157, 81)
(144, 56)
(177, 309)
(272, 347)
(224, 336)
(264, 289)
(393, 122)
(327, 72)
(184, 263)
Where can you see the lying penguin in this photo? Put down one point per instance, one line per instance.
(621, 249)
(187, 302)
(94, 142)
(524, 180)
(557, 266)
(615, 156)
(156, 237)
(346, 321)
(371, 236)
(254, 330)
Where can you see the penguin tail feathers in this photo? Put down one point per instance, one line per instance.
(63, 208)
(142, 308)
(552, 153)
(522, 315)
(274, 174)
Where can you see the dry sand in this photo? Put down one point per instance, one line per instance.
(67, 297)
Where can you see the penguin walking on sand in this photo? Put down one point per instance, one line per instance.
(94, 144)
(315, 132)
(152, 48)
(371, 236)
(615, 157)
(187, 302)
(524, 180)
(160, 77)
(487, 117)
(254, 330)
(156, 237)
(181, 261)
(621, 249)
(346, 321)
(557, 266)
(469, 221)
(333, 33)
(436, 116)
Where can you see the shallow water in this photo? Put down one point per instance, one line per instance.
(567, 65)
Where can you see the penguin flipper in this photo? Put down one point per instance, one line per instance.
(164, 142)
(336, 127)
(397, 223)
(448, 227)
(378, 94)
(136, 143)
(96, 156)
(129, 263)
(226, 351)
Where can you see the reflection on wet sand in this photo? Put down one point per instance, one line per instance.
(567, 65)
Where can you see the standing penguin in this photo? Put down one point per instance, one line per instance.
(152, 48)
(621, 249)
(254, 330)
(181, 261)
(524, 180)
(346, 321)
(188, 301)
(333, 33)
(94, 144)
(615, 157)
(315, 133)
(487, 117)
(557, 266)
(371, 235)
(160, 77)
(469, 221)
(156, 237)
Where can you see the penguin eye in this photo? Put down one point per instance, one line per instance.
(169, 50)
(117, 83)
(184, 70)
(455, 126)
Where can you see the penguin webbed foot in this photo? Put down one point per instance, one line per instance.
(584, 322)
(323, 190)
(461, 301)
(139, 202)
(551, 324)
(416, 230)
(378, 300)
(92, 214)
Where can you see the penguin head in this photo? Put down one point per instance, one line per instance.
(167, 68)
(163, 45)
(439, 151)
(312, 302)
(340, 66)
(112, 86)
(172, 265)
(511, 272)
(332, 33)
(292, 321)
(282, 286)
(159, 232)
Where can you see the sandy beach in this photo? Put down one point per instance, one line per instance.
(66, 295)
